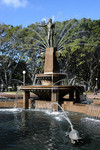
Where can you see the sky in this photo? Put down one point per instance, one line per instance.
(26, 12)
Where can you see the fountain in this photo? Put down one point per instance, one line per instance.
(35, 129)
(50, 88)
(73, 134)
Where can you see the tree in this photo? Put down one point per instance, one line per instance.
(77, 40)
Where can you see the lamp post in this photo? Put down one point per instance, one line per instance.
(24, 72)
(96, 82)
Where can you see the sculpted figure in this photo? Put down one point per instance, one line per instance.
(51, 33)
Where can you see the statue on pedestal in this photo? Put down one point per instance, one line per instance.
(51, 33)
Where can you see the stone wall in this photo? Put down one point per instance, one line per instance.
(10, 104)
(96, 101)
(91, 110)
(45, 105)
(69, 106)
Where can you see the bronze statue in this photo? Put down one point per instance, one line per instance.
(51, 33)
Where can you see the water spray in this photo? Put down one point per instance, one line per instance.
(73, 134)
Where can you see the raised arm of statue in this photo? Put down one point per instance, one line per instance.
(51, 33)
(42, 25)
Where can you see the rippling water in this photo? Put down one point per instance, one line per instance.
(42, 130)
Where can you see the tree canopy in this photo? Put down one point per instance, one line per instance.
(77, 40)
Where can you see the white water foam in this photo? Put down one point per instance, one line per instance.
(58, 118)
(91, 119)
(11, 110)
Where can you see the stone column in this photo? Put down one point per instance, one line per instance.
(71, 95)
(30, 103)
(53, 96)
(51, 63)
(54, 99)
(26, 96)
(77, 93)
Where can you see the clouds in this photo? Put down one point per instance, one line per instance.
(15, 3)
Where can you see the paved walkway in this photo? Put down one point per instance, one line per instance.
(92, 96)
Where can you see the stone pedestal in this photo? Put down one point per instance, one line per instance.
(51, 63)
(51, 83)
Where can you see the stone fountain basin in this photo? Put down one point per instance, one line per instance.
(49, 79)
(44, 91)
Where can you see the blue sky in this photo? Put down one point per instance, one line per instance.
(25, 12)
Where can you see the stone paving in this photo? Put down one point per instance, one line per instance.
(93, 96)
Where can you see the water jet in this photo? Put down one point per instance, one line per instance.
(50, 84)
(34, 129)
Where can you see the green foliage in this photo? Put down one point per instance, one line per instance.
(78, 40)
